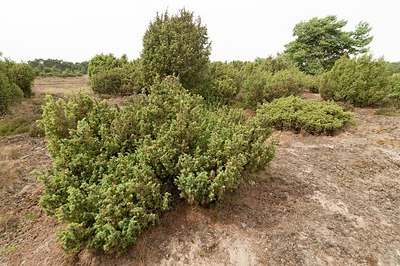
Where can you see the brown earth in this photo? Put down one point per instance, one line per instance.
(322, 201)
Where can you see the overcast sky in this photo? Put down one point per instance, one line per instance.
(76, 30)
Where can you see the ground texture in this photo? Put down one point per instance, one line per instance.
(322, 201)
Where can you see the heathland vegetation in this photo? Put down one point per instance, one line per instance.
(187, 129)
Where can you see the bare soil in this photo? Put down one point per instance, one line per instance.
(322, 201)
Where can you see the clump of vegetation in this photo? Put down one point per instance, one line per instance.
(113, 81)
(115, 169)
(104, 62)
(178, 46)
(23, 75)
(22, 119)
(294, 113)
(224, 83)
(58, 68)
(394, 68)
(10, 93)
(263, 86)
(360, 81)
(15, 83)
(111, 75)
(276, 63)
(394, 90)
(321, 41)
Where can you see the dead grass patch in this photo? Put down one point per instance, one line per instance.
(12, 153)
(10, 171)
(22, 117)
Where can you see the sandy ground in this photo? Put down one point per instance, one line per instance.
(322, 201)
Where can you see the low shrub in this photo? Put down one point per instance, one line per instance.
(294, 113)
(261, 86)
(285, 83)
(114, 169)
(360, 81)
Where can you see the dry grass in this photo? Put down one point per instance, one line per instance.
(12, 153)
(22, 117)
(10, 172)
(61, 86)
(387, 111)
(7, 221)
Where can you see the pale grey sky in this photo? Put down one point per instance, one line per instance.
(76, 30)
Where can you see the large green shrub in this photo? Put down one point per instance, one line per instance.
(176, 45)
(360, 81)
(114, 169)
(10, 93)
(294, 113)
(23, 75)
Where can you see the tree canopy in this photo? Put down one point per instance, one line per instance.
(321, 41)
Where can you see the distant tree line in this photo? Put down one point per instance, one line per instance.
(59, 68)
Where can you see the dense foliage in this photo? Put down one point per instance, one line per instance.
(111, 75)
(114, 169)
(321, 41)
(294, 113)
(394, 90)
(276, 63)
(260, 86)
(113, 81)
(58, 68)
(176, 45)
(104, 62)
(360, 81)
(23, 75)
(15, 83)
(394, 67)
(10, 93)
(224, 83)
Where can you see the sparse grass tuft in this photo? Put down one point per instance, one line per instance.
(9, 173)
(31, 216)
(7, 250)
(14, 125)
(13, 153)
(22, 118)
(387, 111)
